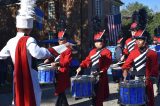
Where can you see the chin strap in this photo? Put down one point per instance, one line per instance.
(143, 49)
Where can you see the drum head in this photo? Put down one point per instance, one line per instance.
(118, 53)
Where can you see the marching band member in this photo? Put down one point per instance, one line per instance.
(22, 48)
(156, 37)
(145, 64)
(156, 42)
(62, 62)
(139, 22)
(99, 59)
(130, 42)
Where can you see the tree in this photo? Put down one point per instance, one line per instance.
(128, 11)
(134, 7)
(153, 22)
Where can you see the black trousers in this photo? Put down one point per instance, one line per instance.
(94, 96)
(62, 100)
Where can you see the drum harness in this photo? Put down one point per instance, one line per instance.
(95, 64)
(130, 45)
(140, 64)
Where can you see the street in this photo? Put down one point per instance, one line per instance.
(48, 99)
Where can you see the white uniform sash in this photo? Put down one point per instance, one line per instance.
(130, 45)
(140, 63)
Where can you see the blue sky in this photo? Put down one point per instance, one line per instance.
(152, 4)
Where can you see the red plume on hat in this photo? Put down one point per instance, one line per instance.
(139, 19)
(133, 25)
(138, 33)
(61, 34)
(141, 34)
(98, 36)
(120, 40)
(135, 20)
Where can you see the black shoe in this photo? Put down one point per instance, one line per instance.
(65, 104)
(77, 98)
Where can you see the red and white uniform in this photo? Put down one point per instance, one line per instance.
(129, 46)
(32, 50)
(151, 69)
(130, 43)
(65, 57)
(104, 62)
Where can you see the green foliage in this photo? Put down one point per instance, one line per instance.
(134, 7)
(152, 22)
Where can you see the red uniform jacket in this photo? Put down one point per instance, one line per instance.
(63, 79)
(126, 48)
(151, 63)
(151, 70)
(104, 63)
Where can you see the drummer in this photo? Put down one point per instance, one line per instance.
(138, 24)
(156, 42)
(145, 64)
(61, 63)
(99, 59)
(156, 37)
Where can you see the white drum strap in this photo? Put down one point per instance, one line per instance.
(130, 45)
(140, 62)
(95, 58)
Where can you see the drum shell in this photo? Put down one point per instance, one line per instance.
(132, 93)
(46, 75)
(116, 74)
(82, 86)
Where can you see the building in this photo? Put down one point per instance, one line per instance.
(77, 13)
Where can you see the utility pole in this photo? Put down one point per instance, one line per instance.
(81, 25)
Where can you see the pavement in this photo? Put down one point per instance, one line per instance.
(48, 99)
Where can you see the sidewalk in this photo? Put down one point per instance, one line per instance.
(86, 102)
(48, 99)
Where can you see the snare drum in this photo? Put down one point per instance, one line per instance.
(46, 74)
(132, 93)
(82, 86)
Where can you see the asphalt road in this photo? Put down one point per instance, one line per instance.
(48, 99)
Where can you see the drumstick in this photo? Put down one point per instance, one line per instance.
(43, 64)
(121, 62)
(77, 74)
(125, 79)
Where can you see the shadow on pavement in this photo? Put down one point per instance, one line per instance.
(113, 96)
(84, 103)
(6, 99)
(157, 100)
